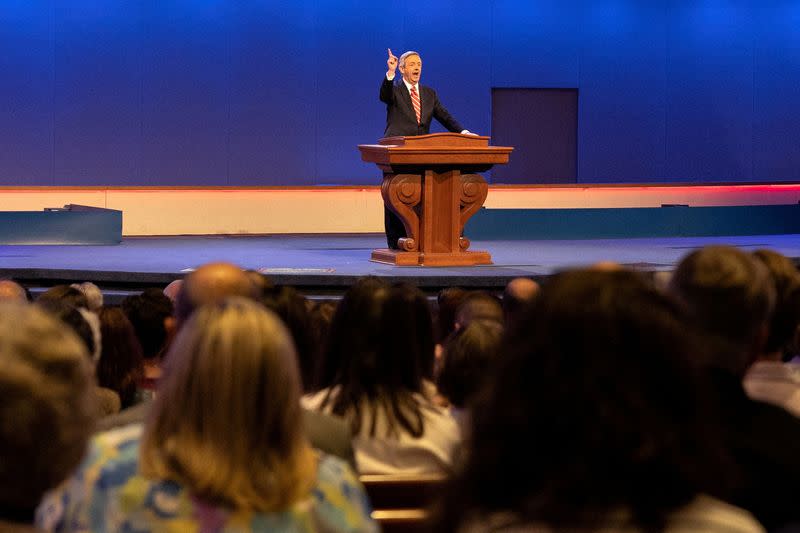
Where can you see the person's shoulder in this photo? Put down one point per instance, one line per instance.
(709, 514)
(132, 415)
(333, 469)
(340, 497)
(114, 455)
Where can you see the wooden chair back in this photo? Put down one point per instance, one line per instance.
(401, 503)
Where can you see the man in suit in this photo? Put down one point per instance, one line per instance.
(410, 107)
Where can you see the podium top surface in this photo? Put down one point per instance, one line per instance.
(436, 139)
(435, 148)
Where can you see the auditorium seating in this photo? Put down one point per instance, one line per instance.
(402, 502)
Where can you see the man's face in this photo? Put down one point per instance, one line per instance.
(412, 69)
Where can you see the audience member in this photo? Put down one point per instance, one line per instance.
(354, 328)
(469, 355)
(121, 365)
(291, 307)
(320, 319)
(94, 296)
(78, 320)
(479, 305)
(11, 291)
(378, 368)
(518, 294)
(46, 409)
(262, 283)
(731, 296)
(213, 283)
(769, 379)
(223, 447)
(150, 314)
(594, 421)
(65, 294)
(172, 289)
(448, 300)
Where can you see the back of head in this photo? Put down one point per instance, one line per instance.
(94, 296)
(211, 283)
(518, 293)
(786, 316)
(292, 308)
(447, 302)
(261, 282)
(173, 289)
(407, 353)
(11, 291)
(479, 305)
(390, 354)
(354, 331)
(469, 355)
(730, 297)
(593, 404)
(149, 313)
(46, 406)
(121, 365)
(64, 294)
(231, 366)
(76, 320)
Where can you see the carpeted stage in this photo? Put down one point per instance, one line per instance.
(325, 265)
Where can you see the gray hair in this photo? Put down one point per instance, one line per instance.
(402, 61)
(94, 296)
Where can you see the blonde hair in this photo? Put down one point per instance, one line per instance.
(47, 408)
(227, 423)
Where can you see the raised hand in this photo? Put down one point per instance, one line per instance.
(391, 63)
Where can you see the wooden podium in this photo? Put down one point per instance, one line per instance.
(431, 183)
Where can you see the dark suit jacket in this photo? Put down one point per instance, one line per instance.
(400, 117)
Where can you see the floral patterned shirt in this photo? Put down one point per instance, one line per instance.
(107, 493)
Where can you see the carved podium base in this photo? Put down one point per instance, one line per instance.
(434, 206)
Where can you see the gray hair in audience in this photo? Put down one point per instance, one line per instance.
(46, 405)
(94, 296)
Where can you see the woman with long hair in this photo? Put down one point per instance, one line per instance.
(223, 448)
(377, 375)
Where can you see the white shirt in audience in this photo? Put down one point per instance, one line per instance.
(401, 453)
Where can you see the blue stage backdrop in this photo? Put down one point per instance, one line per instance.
(263, 92)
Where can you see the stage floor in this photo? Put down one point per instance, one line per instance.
(326, 264)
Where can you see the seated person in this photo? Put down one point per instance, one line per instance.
(595, 421)
(377, 374)
(46, 407)
(223, 447)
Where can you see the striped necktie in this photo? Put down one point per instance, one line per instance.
(415, 101)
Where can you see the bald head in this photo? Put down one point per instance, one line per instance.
(607, 266)
(519, 292)
(211, 283)
(172, 290)
(11, 291)
(521, 289)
